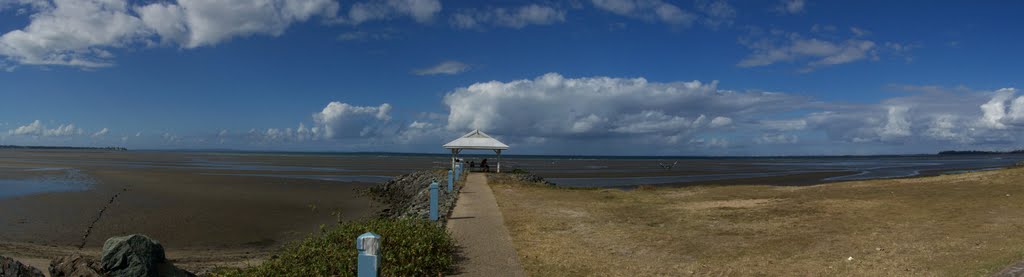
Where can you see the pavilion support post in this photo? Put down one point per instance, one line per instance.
(499, 159)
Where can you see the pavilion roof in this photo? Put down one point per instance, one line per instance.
(476, 140)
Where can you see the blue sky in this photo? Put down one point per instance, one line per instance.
(548, 77)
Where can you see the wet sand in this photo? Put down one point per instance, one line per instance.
(199, 217)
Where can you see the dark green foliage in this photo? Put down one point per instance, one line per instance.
(410, 247)
(519, 171)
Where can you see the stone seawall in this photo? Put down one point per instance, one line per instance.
(409, 195)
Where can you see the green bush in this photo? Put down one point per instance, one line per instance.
(409, 247)
(519, 171)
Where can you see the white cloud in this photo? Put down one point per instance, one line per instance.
(859, 32)
(649, 10)
(195, 23)
(776, 138)
(777, 46)
(385, 34)
(897, 124)
(447, 67)
(37, 128)
(791, 6)
(720, 121)
(276, 135)
(710, 143)
(420, 125)
(101, 133)
(72, 32)
(944, 127)
(935, 116)
(994, 111)
(517, 18)
(80, 33)
(553, 106)
(341, 120)
(423, 11)
(717, 13)
(784, 125)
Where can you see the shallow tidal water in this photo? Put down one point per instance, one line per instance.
(46, 180)
(54, 171)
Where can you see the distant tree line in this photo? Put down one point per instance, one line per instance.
(979, 152)
(62, 147)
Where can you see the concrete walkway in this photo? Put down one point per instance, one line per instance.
(477, 225)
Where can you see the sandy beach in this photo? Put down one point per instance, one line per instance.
(203, 217)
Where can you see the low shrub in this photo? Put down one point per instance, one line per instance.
(410, 247)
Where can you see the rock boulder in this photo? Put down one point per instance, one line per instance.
(76, 266)
(12, 268)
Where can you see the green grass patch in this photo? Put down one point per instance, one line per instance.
(410, 247)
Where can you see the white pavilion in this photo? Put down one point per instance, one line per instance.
(476, 140)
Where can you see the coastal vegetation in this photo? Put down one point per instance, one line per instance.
(411, 247)
(411, 244)
(949, 225)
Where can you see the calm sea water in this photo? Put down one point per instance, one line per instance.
(25, 173)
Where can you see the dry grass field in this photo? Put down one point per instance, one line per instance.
(968, 224)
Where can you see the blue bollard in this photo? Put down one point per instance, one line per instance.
(451, 180)
(433, 201)
(368, 245)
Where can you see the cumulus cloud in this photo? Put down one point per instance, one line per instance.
(777, 46)
(710, 142)
(556, 109)
(994, 111)
(385, 34)
(649, 10)
(897, 125)
(81, 33)
(720, 121)
(784, 125)
(340, 120)
(554, 106)
(277, 135)
(195, 23)
(716, 13)
(422, 11)
(516, 18)
(101, 133)
(776, 138)
(73, 32)
(935, 115)
(37, 128)
(790, 6)
(447, 68)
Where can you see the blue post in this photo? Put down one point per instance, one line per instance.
(368, 245)
(433, 201)
(451, 180)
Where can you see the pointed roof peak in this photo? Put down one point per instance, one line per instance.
(476, 134)
(476, 139)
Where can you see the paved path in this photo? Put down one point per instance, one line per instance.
(477, 225)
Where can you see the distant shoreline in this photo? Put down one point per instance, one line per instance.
(484, 154)
(36, 147)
